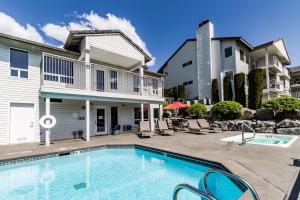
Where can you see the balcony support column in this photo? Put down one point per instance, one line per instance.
(141, 70)
(160, 111)
(142, 111)
(87, 119)
(87, 66)
(47, 131)
(267, 73)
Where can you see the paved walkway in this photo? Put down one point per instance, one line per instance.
(269, 169)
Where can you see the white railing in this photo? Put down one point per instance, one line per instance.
(61, 72)
(273, 84)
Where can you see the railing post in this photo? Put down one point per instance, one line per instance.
(141, 70)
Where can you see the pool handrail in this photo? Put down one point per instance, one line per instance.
(192, 189)
(243, 132)
(231, 176)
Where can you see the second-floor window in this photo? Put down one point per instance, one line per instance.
(18, 63)
(100, 80)
(187, 63)
(113, 79)
(228, 52)
(154, 86)
(58, 70)
(136, 83)
(242, 55)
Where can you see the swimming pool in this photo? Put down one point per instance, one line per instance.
(264, 139)
(110, 174)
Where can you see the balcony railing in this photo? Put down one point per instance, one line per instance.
(61, 72)
(274, 84)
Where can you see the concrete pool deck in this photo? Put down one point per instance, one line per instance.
(269, 169)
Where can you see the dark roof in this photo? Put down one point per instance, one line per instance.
(164, 65)
(30, 42)
(74, 39)
(294, 69)
(270, 44)
(238, 38)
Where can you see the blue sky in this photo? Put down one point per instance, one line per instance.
(164, 24)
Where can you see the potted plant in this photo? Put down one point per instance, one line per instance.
(80, 134)
(75, 134)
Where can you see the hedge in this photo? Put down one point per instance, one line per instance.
(197, 110)
(256, 86)
(227, 88)
(226, 110)
(215, 91)
(282, 104)
(171, 92)
(181, 92)
(239, 88)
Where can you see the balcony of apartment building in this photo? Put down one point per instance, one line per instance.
(69, 76)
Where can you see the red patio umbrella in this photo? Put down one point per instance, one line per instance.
(176, 105)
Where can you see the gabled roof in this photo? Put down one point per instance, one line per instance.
(74, 39)
(160, 70)
(267, 44)
(237, 38)
(294, 69)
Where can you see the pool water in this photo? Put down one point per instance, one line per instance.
(110, 174)
(264, 139)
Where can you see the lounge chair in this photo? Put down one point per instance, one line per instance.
(194, 126)
(164, 129)
(205, 127)
(144, 129)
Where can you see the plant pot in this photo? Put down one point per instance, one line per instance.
(80, 134)
(75, 134)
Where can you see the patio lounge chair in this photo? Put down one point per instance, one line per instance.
(144, 129)
(164, 129)
(205, 127)
(194, 126)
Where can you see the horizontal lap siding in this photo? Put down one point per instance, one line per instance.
(18, 90)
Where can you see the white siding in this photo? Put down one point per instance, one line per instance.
(178, 74)
(18, 90)
(115, 43)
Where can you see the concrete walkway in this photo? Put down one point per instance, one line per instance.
(269, 169)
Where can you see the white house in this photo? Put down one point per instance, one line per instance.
(97, 81)
(200, 60)
(295, 81)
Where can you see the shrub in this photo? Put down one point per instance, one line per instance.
(227, 88)
(239, 88)
(181, 92)
(165, 104)
(171, 92)
(282, 104)
(197, 110)
(215, 91)
(227, 110)
(256, 86)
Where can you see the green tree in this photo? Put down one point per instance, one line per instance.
(227, 88)
(215, 91)
(256, 86)
(239, 88)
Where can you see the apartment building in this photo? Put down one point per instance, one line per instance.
(96, 82)
(295, 81)
(206, 57)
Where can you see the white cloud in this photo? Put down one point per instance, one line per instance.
(10, 26)
(92, 20)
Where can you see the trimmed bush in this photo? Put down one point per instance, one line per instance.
(165, 104)
(167, 92)
(227, 110)
(239, 88)
(197, 110)
(181, 92)
(256, 86)
(215, 91)
(227, 88)
(282, 104)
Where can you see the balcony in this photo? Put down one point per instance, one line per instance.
(70, 76)
(274, 64)
(284, 74)
(275, 86)
(295, 83)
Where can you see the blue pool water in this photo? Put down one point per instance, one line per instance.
(110, 174)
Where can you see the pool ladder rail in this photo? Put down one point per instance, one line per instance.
(206, 193)
(243, 132)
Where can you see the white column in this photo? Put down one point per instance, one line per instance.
(141, 70)
(47, 131)
(160, 111)
(220, 85)
(87, 119)
(267, 73)
(87, 67)
(142, 111)
(151, 116)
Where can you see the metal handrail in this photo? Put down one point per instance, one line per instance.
(243, 132)
(192, 189)
(232, 176)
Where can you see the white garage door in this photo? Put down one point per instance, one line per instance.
(21, 123)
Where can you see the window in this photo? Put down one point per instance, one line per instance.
(185, 83)
(154, 86)
(58, 70)
(100, 80)
(18, 63)
(156, 113)
(242, 55)
(229, 73)
(137, 115)
(187, 63)
(228, 52)
(136, 83)
(190, 82)
(247, 58)
(113, 80)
